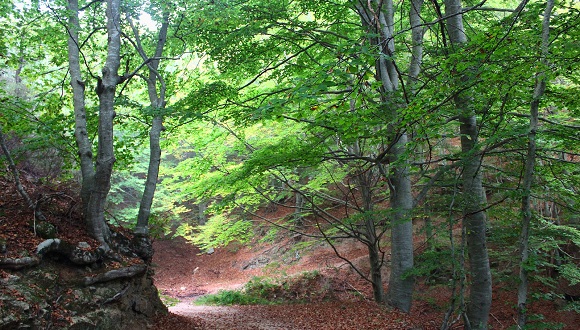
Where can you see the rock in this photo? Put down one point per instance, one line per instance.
(45, 229)
(210, 251)
(83, 257)
(143, 246)
(21, 305)
(258, 262)
(84, 245)
(9, 279)
(3, 246)
(116, 299)
(10, 321)
(81, 323)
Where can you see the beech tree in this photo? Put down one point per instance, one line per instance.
(474, 218)
(530, 163)
(96, 177)
(96, 171)
(326, 99)
(378, 18)
(157, 99)
(358, 116)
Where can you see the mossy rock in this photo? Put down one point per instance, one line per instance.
(46, 230)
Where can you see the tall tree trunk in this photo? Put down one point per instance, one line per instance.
(106, 90)
(84, 145)
(96, 179)
(299, 210)
(142, 227)
(529, 167)
(157, 100)
(378, 17)
(474, 217)
(300, 200)
(400, 289)
(474, 221)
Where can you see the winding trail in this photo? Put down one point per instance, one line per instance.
(238, 317)
(320, 316)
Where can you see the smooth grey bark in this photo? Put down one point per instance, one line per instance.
(300, 201)
(299, 210)
(84, 145)
(96, 179)
(106, 90)
(474, 217)
(400, 289)
(201, 217)
(378, 17)
(417, 34)
(540, 87)
(157, 100)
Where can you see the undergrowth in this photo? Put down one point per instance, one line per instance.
(305, 287)
(231, 297)
(169, 301)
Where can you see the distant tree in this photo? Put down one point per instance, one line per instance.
(336, 67)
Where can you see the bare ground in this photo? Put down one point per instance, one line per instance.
(184, 273)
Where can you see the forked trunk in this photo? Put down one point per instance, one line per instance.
(378, 18)
(96, 180)
(84, 145)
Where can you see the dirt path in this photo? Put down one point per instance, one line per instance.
(226, 318)
(324, 316)
(183, 273)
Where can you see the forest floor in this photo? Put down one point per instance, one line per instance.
(183, 274)
(342, 299)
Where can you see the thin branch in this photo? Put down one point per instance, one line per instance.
(32, 205)
(90, 4)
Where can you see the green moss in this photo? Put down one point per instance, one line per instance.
(232, 297)
(169, 301)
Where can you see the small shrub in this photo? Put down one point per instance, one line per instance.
(262, 287)
(304, 287)
(435, 266)
(310, 275)
(270, 235)
(231, 297)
